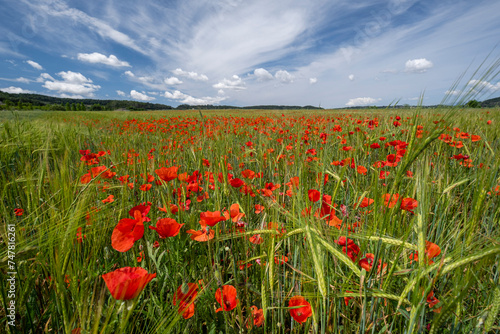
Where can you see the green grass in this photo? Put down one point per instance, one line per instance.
(59, 286)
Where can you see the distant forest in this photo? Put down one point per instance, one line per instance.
(37, 101)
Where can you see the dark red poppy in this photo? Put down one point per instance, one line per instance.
(226, 298)
(299, 314)
(127, 283)
(257, 316)
(314, 195)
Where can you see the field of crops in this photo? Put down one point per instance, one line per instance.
(251, 221)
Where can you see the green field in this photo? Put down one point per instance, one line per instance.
(371, 221)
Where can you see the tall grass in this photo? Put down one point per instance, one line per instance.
(59, 284)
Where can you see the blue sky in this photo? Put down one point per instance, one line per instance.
(327, 53)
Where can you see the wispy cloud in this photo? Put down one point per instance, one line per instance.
(190, 75)
(235, 83)
(34, 64)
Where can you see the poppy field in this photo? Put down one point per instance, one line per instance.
(362, 221)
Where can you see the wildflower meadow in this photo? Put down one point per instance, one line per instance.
(255, 221)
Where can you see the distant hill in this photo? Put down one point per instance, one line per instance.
(38, 101)
(495, 102)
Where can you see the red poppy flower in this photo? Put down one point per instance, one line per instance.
(361, 170)
(167, 174)
(167, 227)
(109, 199)
(86, 178)
(203, 234)
(234, 213)
(127, 232)
(431, 301)
(256, 239)
(431, 251)
(408, 204)
(299, 314)
(314, 195)
(186, 295)
(390, 202)
(367, 262)
(259, 208)
(18, 212)
(211, 218)
(226, 298)
(365, 202)
(145, 187)
(236, 182)
(144, 210)
(127, 283)
(257, 316)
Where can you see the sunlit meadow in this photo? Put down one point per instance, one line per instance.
(252, 221)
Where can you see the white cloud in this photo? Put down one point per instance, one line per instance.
(351, 77)
(235, 83)
(480, 84)
(129, 74)
(420, 65)
(34, 64)
(361, 101)
(313, 80)
(453, 92)
(99, 58)
(172, 81)
(23, 80)
(44, 76)
(190, 75)
(187, 99)
(140, 96)
(15, 90)
(121, 93)
(72, 83)
(262, 74)
(284, 77)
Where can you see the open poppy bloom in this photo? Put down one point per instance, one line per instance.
(186, 295)
(257, 316)
(432, 301)
(167, 174)
(18, 212)
(202, 235)
(144, 210)
(211, 218)
(389, 201)
(408, 204)
(431, 251)
(127, 283)
(299, 314)
(167, 227)
(367, 263)
(365, 202)
(127, 232)
(234, 213)
(226, 298)
(314, 195)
